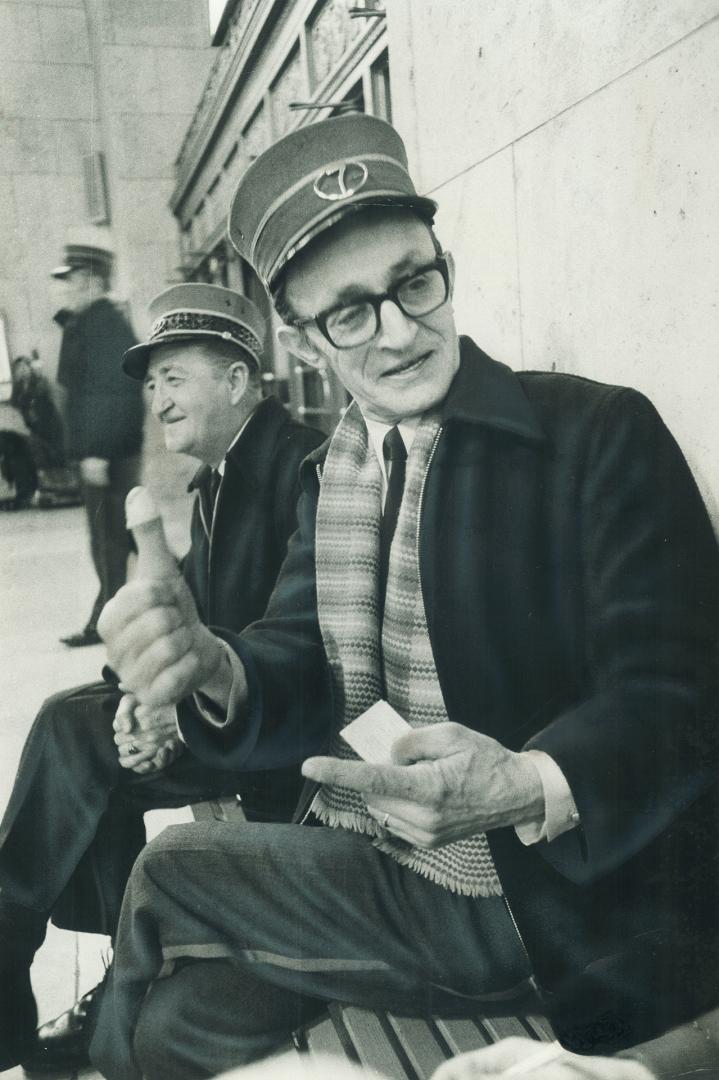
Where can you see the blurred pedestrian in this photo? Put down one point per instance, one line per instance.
(104, 414)
(33, 397)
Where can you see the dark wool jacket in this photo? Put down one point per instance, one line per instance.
(232, 567)
(104, 409)
(571, 583)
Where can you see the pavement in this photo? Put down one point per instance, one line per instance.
(47, 585)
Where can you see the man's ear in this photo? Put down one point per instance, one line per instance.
(451, 270)
(238, 375)
(296, 341)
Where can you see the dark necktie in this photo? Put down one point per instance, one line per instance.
(395, 455)
(208, 494)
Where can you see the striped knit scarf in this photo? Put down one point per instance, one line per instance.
(347, 547)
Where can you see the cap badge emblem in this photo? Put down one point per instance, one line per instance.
(342, 181)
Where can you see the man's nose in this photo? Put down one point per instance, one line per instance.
(160, 400)
(396, 330)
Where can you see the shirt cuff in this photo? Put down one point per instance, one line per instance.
(211, 712)
(560, 809)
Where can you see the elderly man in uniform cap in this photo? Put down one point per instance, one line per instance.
(104, 414)
(520, 565)
(74, 823)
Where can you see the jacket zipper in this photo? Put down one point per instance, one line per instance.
(532, 978)
(308, 808)
(210, 538)
(419, 509)
(209, 533)
(420, 503)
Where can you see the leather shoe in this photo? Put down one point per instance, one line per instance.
(88, 636)
(63, 1043)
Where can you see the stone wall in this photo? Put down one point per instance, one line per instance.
(572, 145)
(121, 76)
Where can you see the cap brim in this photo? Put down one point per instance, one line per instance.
(61, 271)
(136, 360)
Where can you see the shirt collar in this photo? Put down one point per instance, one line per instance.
(376, 431)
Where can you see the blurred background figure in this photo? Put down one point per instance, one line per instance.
(33, 463)
(17, 465)
(32, 396)
(104, 413)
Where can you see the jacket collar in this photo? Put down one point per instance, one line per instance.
(489, 393)
(251, 453)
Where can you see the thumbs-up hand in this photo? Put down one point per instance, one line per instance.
(155, 640)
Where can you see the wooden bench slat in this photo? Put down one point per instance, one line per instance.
(502, 1027)
(461, 1035)
(227, 808)
(419, 1044)
(322, 1038)
(541, 1027)
(371, 1042)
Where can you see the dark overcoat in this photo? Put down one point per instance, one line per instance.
(571, 583)
(104, 409)
(233, 562)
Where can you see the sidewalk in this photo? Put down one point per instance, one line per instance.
(47, 586)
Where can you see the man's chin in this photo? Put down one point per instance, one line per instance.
(175, 446)
(408, 402)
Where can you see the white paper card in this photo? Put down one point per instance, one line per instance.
(371, 735)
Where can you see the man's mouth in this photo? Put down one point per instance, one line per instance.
(407, 366)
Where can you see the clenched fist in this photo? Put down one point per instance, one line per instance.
(146, 737)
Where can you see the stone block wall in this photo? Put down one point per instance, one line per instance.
(572, 146)
(121, 76)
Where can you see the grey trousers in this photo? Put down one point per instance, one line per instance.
(230, 936)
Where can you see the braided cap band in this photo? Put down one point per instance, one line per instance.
(196, 309)
(198, 322)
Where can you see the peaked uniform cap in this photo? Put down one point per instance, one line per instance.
(97, 259)
(196, 310)
(313, 177)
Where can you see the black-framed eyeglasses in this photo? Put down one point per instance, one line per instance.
(348, 325)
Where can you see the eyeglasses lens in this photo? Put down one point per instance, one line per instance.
(356, 324)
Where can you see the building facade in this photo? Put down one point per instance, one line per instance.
(279, 65)
(95, 97)
(570, 144)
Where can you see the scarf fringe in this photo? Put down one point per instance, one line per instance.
(346, 819)
(412, 859)
(409, 857)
